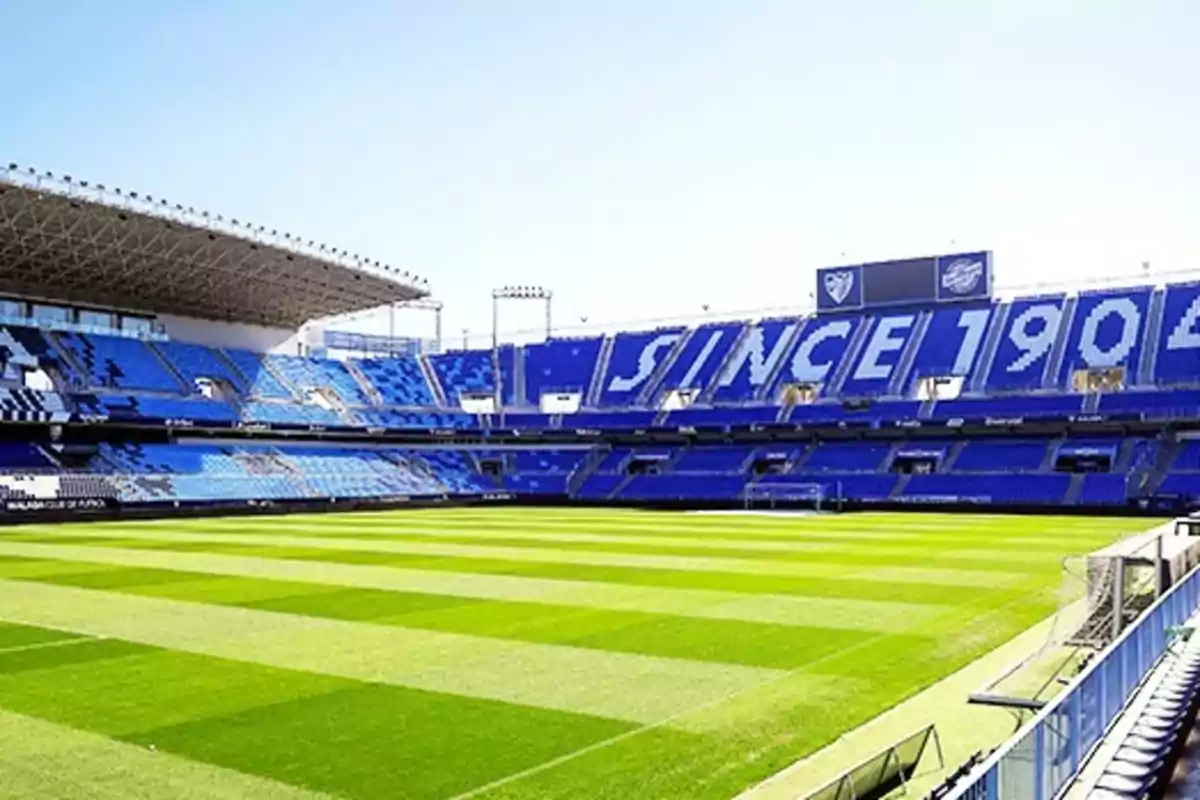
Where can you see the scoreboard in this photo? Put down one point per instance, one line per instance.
(910, 281)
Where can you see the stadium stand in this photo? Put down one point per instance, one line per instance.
(1084, 398)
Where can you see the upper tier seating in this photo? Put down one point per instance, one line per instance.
(559, 365)
(464, 372)
(399, 381)
(261, 382)
(195, 361)
(113, 362)
(702, 354)
(311, 374)
(21, 349)
(759, 353)
(952, 344)
(635, 358)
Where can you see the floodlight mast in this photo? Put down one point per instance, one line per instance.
(421, 304)
(539, 293)
(518, 293)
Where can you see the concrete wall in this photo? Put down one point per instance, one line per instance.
(230, 334)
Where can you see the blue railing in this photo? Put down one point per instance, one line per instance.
(1040, 761)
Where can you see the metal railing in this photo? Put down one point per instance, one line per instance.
(1042, 759)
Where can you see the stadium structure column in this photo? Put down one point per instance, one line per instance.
(539, 293)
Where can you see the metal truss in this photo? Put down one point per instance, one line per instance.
(65, 242)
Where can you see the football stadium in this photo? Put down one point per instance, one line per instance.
(928, 538)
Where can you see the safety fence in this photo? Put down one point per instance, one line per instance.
(1040, 761)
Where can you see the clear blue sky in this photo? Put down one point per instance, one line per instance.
(640, 157)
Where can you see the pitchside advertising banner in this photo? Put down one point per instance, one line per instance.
(911, 281)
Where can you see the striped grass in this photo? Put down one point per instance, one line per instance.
(489, 652)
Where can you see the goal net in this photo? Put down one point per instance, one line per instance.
(783, 495)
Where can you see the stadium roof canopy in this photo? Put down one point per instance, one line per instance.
(69, 241)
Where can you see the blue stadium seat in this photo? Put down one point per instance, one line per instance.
(599, 486)
(875, 367)
(760, 352)
(997, 455)
(1103, 489)
(399, 381)
(29, 405)
(722, 459)
(559, 365)
(635, 358)
(290, 414)
(464, 372)
(683, 487)
(700, 357)
(259, 380)
(987, 488)
(1031, 329)
(847, 456)
(195, 361)
(415, 420)
(153, 408)
(547, 460)
(952, 344)
(113, 362)
(24, 457)
(312, 374)
(536, 484)
(1107, 330)
(1177, 352)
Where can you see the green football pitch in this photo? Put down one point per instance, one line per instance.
(489, 652)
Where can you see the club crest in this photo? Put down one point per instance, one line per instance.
(962, 275)
(838, 285)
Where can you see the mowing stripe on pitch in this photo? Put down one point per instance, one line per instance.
(623, 686)
(846, 614)
(44, 760)
(745, 566)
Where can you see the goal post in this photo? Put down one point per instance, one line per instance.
(774, 495)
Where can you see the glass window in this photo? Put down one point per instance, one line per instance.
(96, 319)
(12, 309)
(51, 314)
(138, 326)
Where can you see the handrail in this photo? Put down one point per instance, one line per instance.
(1042, 758)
